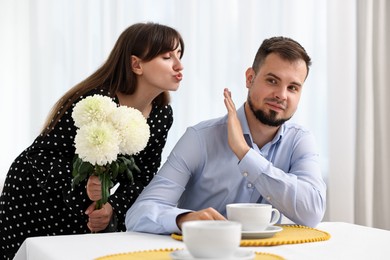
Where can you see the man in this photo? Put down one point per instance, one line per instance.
(250, 155)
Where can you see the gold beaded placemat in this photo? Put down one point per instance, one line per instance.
(163, 254)
(291, 234)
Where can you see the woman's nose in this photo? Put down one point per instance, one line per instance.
(178, 66)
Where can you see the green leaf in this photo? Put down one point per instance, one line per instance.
(135, 167)
(76, 180)
(99, 169)
(122, 167)
(74, 172)
(80, 171)
(129, 174)
(76, 165)
(115, 169)
(132, 160)
(85, 168)
(125, 160)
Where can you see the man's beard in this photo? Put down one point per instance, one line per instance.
(267, 119)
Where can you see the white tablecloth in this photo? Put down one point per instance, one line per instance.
(348, 241)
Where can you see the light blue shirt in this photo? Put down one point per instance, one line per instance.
(202, 171)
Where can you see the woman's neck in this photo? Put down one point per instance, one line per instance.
(141, 102)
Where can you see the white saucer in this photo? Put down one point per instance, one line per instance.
(268, 232)
(240, 254)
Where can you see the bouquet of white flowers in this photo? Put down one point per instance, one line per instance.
(105, 134)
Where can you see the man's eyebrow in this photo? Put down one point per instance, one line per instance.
(278, 78)
(273, 75)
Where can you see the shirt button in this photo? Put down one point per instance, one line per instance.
(245, 174)
(249, 185)
(268, 198)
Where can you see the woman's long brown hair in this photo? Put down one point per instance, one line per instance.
(144, 40)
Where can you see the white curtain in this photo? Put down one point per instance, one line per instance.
(372, 205)
(341, 108)
(47, 46)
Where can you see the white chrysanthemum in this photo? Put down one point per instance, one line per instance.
(94, 108)
(133, 129)
(97, 143)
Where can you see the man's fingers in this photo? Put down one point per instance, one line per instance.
(228, 100)
(210, 214)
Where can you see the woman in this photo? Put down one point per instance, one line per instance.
(37, 198)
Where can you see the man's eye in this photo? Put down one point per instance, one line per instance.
(272, 81)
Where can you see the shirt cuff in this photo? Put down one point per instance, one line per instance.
(169, 220)
(252, 165)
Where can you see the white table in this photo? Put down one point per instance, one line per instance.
(348, 241)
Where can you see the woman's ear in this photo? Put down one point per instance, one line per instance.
(136, 65)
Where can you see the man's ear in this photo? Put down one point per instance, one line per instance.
(250, 77)
(136, 65)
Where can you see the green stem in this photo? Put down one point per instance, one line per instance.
(104, 178)
(99, 204)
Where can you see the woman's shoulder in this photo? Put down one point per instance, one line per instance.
(92, 92)
(164, 112)
(96, 91)
(160, 118)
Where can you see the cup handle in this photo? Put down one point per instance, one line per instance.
(275, 216)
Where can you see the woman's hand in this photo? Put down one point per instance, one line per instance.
(99, 218)
(94, 188)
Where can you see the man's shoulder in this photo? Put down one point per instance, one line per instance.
(210, 124)
(294, 131)
(291, 126)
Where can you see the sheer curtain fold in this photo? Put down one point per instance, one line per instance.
(56, 44)
(372, 204)
(48, 46)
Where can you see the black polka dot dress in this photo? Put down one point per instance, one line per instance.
(37, 198)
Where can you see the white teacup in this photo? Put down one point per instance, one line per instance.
(253, 216)
(211, 238)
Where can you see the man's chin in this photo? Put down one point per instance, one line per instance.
(274, 122)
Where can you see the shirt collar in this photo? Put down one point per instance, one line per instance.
(244, 123)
